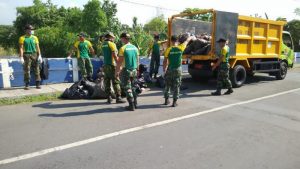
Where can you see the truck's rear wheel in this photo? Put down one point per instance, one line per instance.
(238, 76)
(281, 74)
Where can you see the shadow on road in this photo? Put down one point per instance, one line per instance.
(104, 110)
(50, 105)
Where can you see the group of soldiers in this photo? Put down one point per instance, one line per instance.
(121, 66)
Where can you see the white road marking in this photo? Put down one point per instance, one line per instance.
(130, 130)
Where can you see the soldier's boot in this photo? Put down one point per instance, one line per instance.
(130, 107)
(26, 86)
(229, 91)
(174, 103)
(217, 92)
(119, 99)
(167, 101)
(109, 99)
(38, 84)
(135, 102)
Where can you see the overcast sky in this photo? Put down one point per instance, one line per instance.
(152, 8)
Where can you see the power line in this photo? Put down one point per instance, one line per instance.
(147, 5)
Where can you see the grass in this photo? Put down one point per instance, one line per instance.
(7, 52)
(30, 99)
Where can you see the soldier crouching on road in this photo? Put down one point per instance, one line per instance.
(129, 61)
(30, 55)
(172, 67)
(223, 72)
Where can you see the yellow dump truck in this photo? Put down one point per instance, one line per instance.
(256, 44)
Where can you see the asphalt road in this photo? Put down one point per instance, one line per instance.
(257, 127)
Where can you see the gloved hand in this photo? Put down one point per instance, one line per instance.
(40, 59)
(22, 60)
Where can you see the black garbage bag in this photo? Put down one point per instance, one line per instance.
(160, 82)
(89, 86)
(99, 90)
(147, 77)
(143, 68)
(44, 69)
(76, 91)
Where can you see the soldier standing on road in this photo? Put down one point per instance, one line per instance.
(155, 56)
(30, 55)
(83, 47)
(223, 72)
(172, 67)
(129, 61)
(110, 52)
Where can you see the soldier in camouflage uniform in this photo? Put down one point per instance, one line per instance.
(172, 68)
(82, 48)
(129, 60)
(110, 57)
(30, 55)
(223, 73)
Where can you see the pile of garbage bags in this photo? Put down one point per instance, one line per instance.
(201, 45)
(85, 89)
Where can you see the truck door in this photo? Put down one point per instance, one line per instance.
(287, 48)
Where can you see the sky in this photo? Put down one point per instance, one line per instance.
(127, 9)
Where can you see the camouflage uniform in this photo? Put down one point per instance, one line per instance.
(30, 57)
(86, 67)
(84, 61)
(155, 59)
(172, 81)
(223, 77)
(129, 73)
(109, 68)
(127, 78)
(223, 73)
(173, 74)
(31, 60)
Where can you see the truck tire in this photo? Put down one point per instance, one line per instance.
(281, 74)
(238, 76)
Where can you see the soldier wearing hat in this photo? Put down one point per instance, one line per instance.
(30, 55)
(110, 53)
(154, 50)
(83, 47)
(223, 72)
(129, 61)
(172, 67)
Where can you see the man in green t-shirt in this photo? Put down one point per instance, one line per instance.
(129, 61)
(30, 55)
(110, 53)
(172, 67)
(223, 72)
(154, 50)
(83, 47)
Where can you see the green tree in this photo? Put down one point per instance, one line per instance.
(94, 19)
(156, 25)
(7, 36)
(297, 11)
(72, 20)
(294, 28)
(39, 15)
(113, 23)
(202, 17)
(55, 42)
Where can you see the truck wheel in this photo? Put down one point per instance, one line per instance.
(282, 72)
(238, 76)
